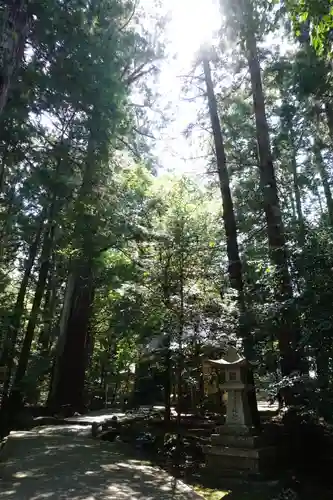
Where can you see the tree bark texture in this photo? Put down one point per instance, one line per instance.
(14, 31)
(288, 332)
(68, 383)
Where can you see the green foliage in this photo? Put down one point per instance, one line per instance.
(316, 17)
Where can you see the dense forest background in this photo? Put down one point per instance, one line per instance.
(107, 260)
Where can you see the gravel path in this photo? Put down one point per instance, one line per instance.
(54, 463)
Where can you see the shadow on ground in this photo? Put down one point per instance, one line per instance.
(49, 463)
(249, 490)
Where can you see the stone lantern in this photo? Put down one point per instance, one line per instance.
(237, 446)
(238, 386)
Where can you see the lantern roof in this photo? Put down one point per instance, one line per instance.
(232, 358)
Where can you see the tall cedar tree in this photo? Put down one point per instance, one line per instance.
(230, 227)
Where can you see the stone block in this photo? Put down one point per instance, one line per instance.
(235, 461)
(236, 430)
(236, 441)
(223, 466)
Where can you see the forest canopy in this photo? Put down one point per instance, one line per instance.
(109, 252)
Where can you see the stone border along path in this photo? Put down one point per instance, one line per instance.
(63, 462)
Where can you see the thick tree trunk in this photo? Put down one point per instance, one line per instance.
(65, 312)
(14, 32)
(230, 227)
(68, 383)
(71, 360)
(288, 331)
